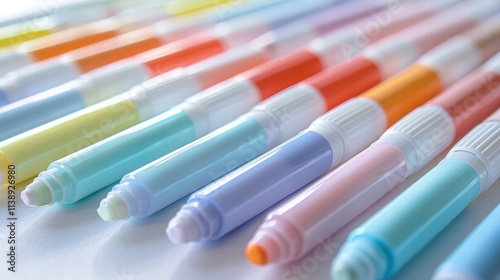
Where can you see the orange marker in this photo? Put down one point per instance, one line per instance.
(42, 76)
(74, 38)
(252, 189)
(339, 196)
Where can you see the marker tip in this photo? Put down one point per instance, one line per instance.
(256, 254)
(113, 208)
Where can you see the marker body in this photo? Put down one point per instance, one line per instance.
(60, 43)
(143, 143)
(118, 77)
(401, 151)
(15, 36)
(402, 228)
(426, 208)
(65, 136)
(39, 109)
(15, 32)
(19, 156)
(84, 172)
(342, 81)
(207, 116)
(245, 178)
(36, 78)
(214, 206)
(154, 133)
(477, 256)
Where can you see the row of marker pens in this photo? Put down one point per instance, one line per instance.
(242, 104)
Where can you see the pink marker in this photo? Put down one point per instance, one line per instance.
(297, 226)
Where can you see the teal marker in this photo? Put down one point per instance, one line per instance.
(477, 256)
(387, 241)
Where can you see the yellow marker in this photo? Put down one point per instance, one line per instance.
(16, 36)
(180, 7)
(32, 151)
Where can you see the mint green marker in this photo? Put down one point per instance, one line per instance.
(388, 240)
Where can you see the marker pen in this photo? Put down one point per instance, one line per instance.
(86, 127)
(33, 28)
(77, 37)
(297, 226)
(225, 204)
(184, 7)
(207, 114)
(477, 256)
(44, 75)
(70, 14)
(389, 239)
(116, 78)
(148, 141)
(13, 36)
(129, 20)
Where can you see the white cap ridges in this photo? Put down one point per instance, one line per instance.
(481, 149)
(106, 82)
(161, 93)
(453, 59)
(351, 127)
(286, 114)
(221, 104)
(392, 55)
(421, 135)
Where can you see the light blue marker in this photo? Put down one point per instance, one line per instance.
(478, 256)
(103, 83)
(77, 175)
(164, 181)
(388, 240)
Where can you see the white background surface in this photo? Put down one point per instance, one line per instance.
(72, 242)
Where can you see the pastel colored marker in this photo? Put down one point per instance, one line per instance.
(76, 37)
(207, 112)
(227, 203)
(389, 239)
(73, 14)
(44, 75)
(65, 16)
(477, 256)
(76, 20)
(79, 130)
(32, 27)
(84, 128)
(14, 36)
(183, 7)
(148, 141)
(297, 226)
(116, 78)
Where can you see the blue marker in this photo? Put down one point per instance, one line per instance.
(388, 240)
(478, 256)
